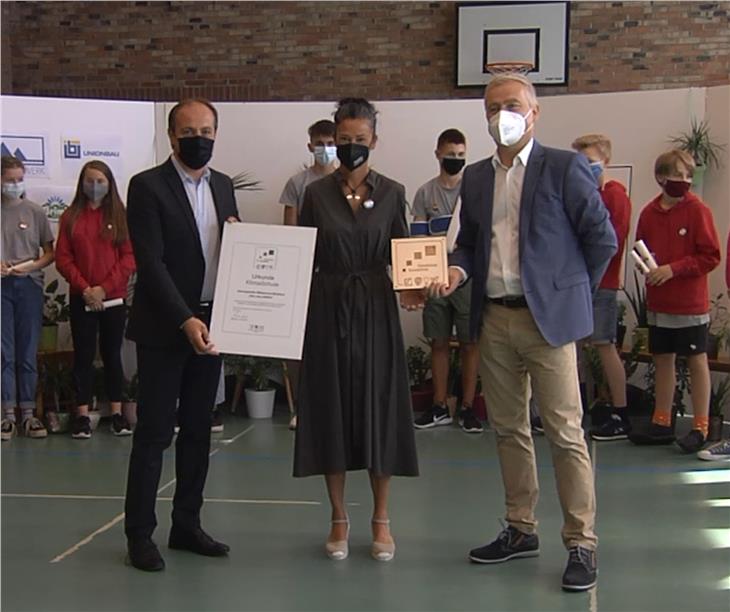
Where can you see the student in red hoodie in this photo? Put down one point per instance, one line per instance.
(721, 450)
(678, 229)
(597, 148)
(94, 255)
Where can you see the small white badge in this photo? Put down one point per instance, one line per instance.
(368, 204)
(109, 226)
(683, 231)
(693, 346)
(23, 225)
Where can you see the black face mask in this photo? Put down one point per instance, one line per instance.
(352, 155)
(195, 151)
(453, 165)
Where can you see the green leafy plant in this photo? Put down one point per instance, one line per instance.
(55, 305)
(254, 371)
(720, 321)
(595, 366)
(419, 365)
(56, 381)
(682, 385)
(637, 300)
(698, 144)
(130, 392)
(719, 396)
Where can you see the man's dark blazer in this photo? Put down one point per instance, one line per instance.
(566, 241)
(168, 252)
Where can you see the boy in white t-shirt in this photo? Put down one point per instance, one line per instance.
(322, 145)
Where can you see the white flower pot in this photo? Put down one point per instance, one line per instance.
(260, 404)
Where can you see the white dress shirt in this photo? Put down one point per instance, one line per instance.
(503, 277)
(201, 202)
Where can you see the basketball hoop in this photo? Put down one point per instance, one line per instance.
(496, 68)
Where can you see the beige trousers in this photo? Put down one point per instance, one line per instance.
(513, 355)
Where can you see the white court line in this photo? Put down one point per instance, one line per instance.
(119, 517)
(212, 500)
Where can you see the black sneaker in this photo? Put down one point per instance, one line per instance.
(437, 415)
(581, 571)
(468, 421)
(511, 543)
(81, 428)
(692, 442)
(654, 435)
(615, 428)
(536, 426)
(216, 424)
(120, 425)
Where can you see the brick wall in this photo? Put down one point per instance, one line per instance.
(323, 50)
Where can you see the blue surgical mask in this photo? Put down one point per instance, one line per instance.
(597, 171)
(96, 191)
(325, 155)
(13, 191)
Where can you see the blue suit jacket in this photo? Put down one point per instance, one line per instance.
(566, 241)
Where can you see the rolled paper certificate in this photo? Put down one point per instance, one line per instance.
(23, 266)
(640, 262)
(108, 304)
(645, 255)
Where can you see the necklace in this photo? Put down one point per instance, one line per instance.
(353, 191)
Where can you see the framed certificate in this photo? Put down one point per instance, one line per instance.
(262, 290)
(418, 262)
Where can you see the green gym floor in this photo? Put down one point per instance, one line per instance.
(663, 524)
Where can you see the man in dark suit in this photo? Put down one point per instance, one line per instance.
(176, 212)
(536, 239)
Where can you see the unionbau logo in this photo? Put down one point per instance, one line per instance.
(72, 149)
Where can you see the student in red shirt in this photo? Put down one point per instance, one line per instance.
(678, 229)
(94, 255)
(597, 148)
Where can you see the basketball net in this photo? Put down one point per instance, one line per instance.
(496, 68)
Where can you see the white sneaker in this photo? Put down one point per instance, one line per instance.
(716, 452)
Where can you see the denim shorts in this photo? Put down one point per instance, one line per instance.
(605, 316)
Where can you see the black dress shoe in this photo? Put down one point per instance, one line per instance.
(196, 541)
(143, 554)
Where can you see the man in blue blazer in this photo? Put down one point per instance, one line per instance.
(536, 239)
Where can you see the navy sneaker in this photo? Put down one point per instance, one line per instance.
(615, 428)
(692, 442)
(511, 543)
(582, 570)
(655, 435)
(469, 422)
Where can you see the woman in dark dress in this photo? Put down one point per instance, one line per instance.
(354, 402)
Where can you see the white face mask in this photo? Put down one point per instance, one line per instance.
(325, 155)
(13, 191)
(507, 127)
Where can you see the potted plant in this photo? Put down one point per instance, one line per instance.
(129, 399)
(719, 328)
(419, 364)
(718, 398)
(698, 144)
(600, 407)
(55, 380)
(637, 301)
(260, 394)
(55, 311)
